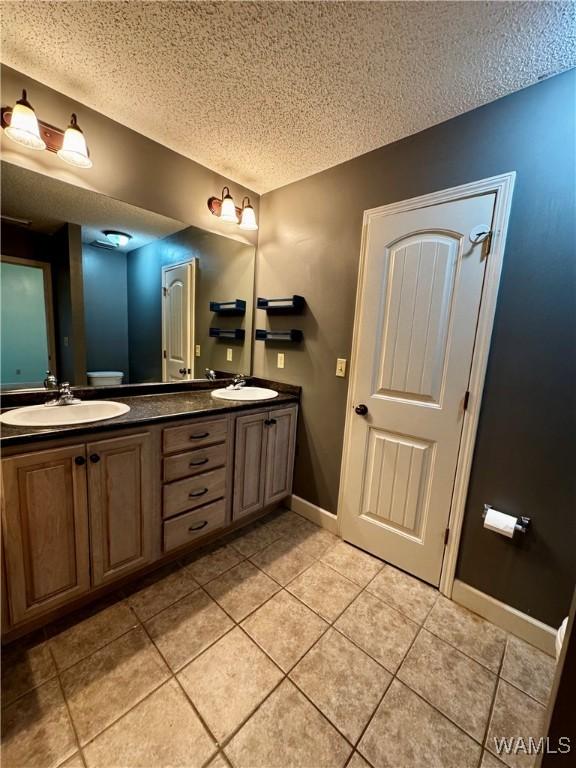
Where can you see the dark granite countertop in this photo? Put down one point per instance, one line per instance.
(151, 409)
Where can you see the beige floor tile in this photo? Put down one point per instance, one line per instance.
(241, 590)
(228, 681)
(250, 540)
(408, 595)
(107, 684)
(283, 560)
(286, 523)
(88, 635)
(344, 683)
(407, 732)
(324, 590)
(381, 631)
(314, 542)
(163, 730)
(459, 687)
(25, 665)
(186, 628)
(287, 731)
(74, 762)
(357, 761)
(514, 715)
(211, 564)
(159, 590)
(36, 730)
(285, 629)
(218, 762)
(468, 632)
(528, 668)
(351, 562)
(489, 761)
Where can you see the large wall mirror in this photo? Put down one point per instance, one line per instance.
(164, 304)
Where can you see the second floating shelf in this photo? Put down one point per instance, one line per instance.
(288, 306)
(234, 307)
(228, 333)
(291, 335)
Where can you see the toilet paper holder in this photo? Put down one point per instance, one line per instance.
(522, 525)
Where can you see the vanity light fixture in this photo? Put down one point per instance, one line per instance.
(118, 239)
(224, 208)
(22, 126)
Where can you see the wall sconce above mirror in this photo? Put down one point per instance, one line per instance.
(225, 208)
(22, 126)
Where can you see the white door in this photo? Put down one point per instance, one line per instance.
(419, 300)
(178, 322)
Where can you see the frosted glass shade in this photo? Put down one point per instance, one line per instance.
(23, 128)
(74, 150)
(228, 210)
(248, 219)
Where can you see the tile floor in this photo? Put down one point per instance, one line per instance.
(282, 646)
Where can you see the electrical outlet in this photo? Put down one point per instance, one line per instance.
(280, 360)
(197, 350)
(229, 354)
(341, 367)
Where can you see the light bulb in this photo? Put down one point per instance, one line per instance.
(23, 128)
(74, 150)
(248, 218)
(228, 209)
(118, 239)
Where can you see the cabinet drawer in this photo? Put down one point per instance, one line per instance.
(194, 435)
(193, 462)
(185, 528)
(184, 495)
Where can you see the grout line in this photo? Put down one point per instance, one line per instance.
(68, 710)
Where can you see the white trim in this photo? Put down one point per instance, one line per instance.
(313, 513)
(520, 624)
(503, 187)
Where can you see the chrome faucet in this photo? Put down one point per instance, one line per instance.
(50, 382)
(210, 374)
(65, 396)
(238, 381)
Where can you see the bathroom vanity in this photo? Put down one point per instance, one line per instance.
(87, 507)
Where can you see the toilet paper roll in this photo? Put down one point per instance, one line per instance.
(499, 522)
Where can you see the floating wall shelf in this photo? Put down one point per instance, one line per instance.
(236, 334)
(292, 335)
(288, 306)
(235, 307)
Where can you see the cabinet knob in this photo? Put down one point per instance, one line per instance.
(80, 460)
(94, 458)
(361, 409)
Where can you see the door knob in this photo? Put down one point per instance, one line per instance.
(182, 371)
(361, 409)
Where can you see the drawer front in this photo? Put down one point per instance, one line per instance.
(193, 525)
(194, 435)
(185, 495)
(193, 462)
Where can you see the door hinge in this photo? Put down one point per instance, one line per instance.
(446, 536)
(466, 399)
(488, 244)
(164, 291)
(164, 354)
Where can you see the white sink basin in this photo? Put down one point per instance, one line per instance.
(61, 415)
(245, 393)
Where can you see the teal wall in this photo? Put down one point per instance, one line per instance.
(24, 356)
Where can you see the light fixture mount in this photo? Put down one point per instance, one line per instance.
(245, 215)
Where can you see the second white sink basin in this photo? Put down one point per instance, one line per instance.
(61, 415)
(245, 393)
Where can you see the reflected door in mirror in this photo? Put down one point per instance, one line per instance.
(178, 321)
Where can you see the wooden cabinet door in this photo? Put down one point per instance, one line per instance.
(120, 496)
(281, 444)
(250, 464)
(45, 528)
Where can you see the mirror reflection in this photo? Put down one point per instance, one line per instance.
(100, 292)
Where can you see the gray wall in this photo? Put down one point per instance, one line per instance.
(524, 461)
(105, 309)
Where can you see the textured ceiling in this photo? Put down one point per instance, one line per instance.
(269, 92)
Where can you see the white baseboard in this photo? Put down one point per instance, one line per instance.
(313, 513)
(517, 623)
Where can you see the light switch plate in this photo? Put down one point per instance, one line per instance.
(341, 367)
(229, 354)
(280, 359)
(197, 350)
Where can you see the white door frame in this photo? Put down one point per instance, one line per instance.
(165, 267)
(503, 187)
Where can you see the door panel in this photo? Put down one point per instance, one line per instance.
(280, 454)
(120, 491)
(250, 464)
(178, 321)
(419, 302)
(45, 528)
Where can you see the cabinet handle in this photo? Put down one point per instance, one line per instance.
(272, 421)
(80, 461)
(199, 436)
(269, 422)
(198, 527)
(94, 458)
(198, 462)
(194, 494)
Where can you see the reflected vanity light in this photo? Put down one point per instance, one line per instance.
(117, 239)
(22, 126)
(225, 209)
